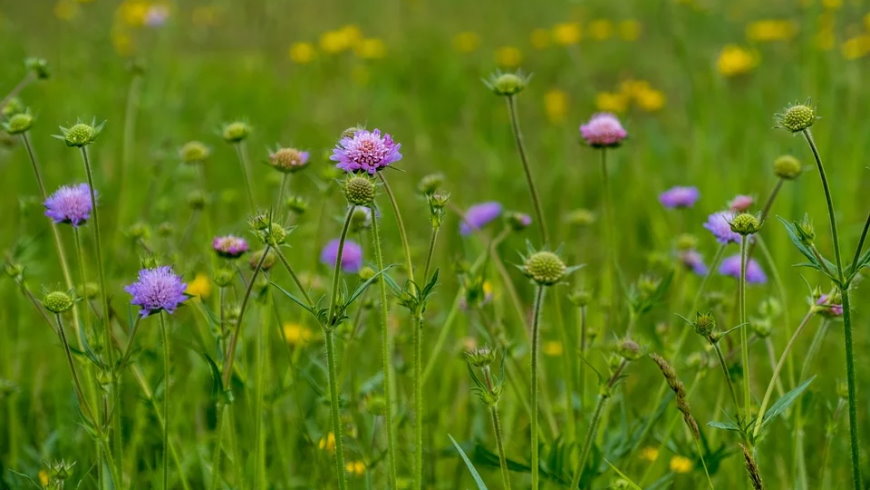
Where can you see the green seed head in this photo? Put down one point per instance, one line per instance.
(235, 132)
(194, 152)
(745, 224)
(787, 167)
(359, 190)
(224, 277)
(507, 83)
(797, 118)
(273, 235)
(18, 123)
(481, 357)
(80, 135)
(629, 350)
(545, 268)
(57, 302)
(704, 324)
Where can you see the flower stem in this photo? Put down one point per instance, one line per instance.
(293, 275)
(27, 80)
(166, 352)
(246, 173)
(86, 408)
(401, 225)
(727, 375)
(536, 315)
(744, 331)
(502, 460)
(518, 136)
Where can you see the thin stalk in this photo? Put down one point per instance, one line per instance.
(129, 135)
(401, 225)
(744, 332)
(246, 172)
(27, 80)
(518, 136)
(703, 462)
(433, 237)
(80, 254)
(166, 352)
(502, 460)
(280, 202)
(419, 406)
(536, 315)
(860, 246)
(86, 408)
(727, 375)
(293, 275)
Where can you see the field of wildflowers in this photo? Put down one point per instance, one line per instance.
(431, 245)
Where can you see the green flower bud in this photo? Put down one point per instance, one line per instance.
(224, 277)
(273, 235)
(366, 273)
(359, 190)
(259, 221)
(507, 83)
(165, 229)
(787, 167)
(18, 123)
(89, 290)
(806, 231)
(762, 328)
(268, 262)
(430, 183)
(57, 302)
(194, 152)
(745, 224)
(687, 242)
(235, 132)
(704, 324)
(580, 217)
(545, 268)
(13, 106)
(138, 231)
(81, 134)
(797, 118)
(196, 199)
(481, 357)
(297, 204)
(580, 297)
(629, 350)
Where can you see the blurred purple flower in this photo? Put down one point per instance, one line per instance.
(603, 130)
(832, 309)
(731, 267)
(156, 15)
(229, 246)
(367, 151)
(157, 290)
(741, 203)
(479, 216)
(719, 225)
(679, 197)
(694, 261)
(70, 204)
(351, 256)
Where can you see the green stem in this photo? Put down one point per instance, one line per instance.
(27, 80)
(246, 173)
(419, 406)
(744, 332)
(216, 456)
(127, 142)
(293, 275)
(502, 460)
(536, 315)
(166, 374)
(727, 375)
(401, 225)
(518, 136)
(433, 237)
(86, 408)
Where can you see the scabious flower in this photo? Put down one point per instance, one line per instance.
(829, 306)
(366, 151)
(479, 216)
(694, 261)
(719, 225)
(288, 160)
(157, 290)
(351, 256)
(741, 203)
(229, 246)
(70, 204)
(731, 267)
(603, 130)
(679, 197)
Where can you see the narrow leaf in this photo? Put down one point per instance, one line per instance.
(474, 474)
(783, 403)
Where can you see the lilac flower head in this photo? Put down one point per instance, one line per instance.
(679, 197)
(70, 204)
(157, 290)
(479, 216)
(366, 151)
(603, 130)
(731, 267)
(229, 246)
(830, 308)
(719, 225)
(741, 203)
(351, 255)
(694, 261)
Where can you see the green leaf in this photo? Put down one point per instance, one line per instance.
(783, 403)
(633, 485)
(792, 229)
(362, 287)
(724, 425)
(474, 474)
(217, 386)
(308, 308)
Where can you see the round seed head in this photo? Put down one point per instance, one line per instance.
(235, 132)
(787, 167)
(629, 350)
(745, 224)
(545, 268)
(704, 324)
(508, 84)
(194, 152)
(797, 118)
(18, 123)
(57, 302)
(288, 160)
(359, 190)
(80, 135)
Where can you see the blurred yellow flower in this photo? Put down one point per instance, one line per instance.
(832, 4)
(649, 453)
(370, 49)
(556, 105)
(200, 286)
(680, 464)
(735, 60)
(540, 38)
(296, 334)
(133, 12)
(466, 42)
(867, 22)
(508, 56)
(650, 99)
(356, 468)
(339, 40)
(600, 29)
(327, 443)
(611, 102)
(771, 30)
(66, 9)
(567, 33)
(553, 348)
(302, 52)
(856, 47)
(43, 478)
(629, 30)
(487, 288)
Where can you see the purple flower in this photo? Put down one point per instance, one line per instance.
(694, 261)
(831, 309)
(731, 267)
(603, 130)
(156, 15)
(719, 225)
(157, 290)
(366, 151)
(479, 216)
(351, 256)
(741, 203)
(229, 246)
(679, 197)
(70, 204)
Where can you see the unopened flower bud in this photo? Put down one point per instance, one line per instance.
(297, 204)
(196, 200)
(580, 297)
(629, 350)
(224, 277)
(366, 273)
(38, 66)
(518, 221)
(268, 262)
(704, 324)
(545, 268)
(57, 302)
(687, 242)
(745, 224)
(481, 357)
(18, 123)
(797, 118)
(430, 183)
(194, 152)
(507, 83)
(235, 132)
(80, 134)
(359, 190)
(787, 167)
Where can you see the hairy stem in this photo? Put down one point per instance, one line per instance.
(536, 315)
(518, 136)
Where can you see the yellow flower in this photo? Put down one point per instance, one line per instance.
(631, 88)
(199, 286)
(508, 56)
(487, 288)
(302, 53)
(553, 348)
(832, 4)
(66, 9)
(600, 29)
(327, 443)
(629, 30)
(540, 38)
(297, 335)
(356, 468)
(43, 478)
(734, 60)
(681, 464)
(133, 12)
(466, 42)
(649, 453)
(567, 33)
(650, 99)
(340, 39)
(856, 47)
(370, 49)
(556, 105)
(611, 102)
(771, 30)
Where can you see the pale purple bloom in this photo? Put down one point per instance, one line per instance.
(694, 261)
(70, 204)
(741, 203)
(157, 290)
(229, 246)
(351, 255)
(479, 216)
(731, 267)
(156, 15)
(603, 130)
(833, 309)
(679, 197)
(366, 151)
(719, 225)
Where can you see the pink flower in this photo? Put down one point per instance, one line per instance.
(603, 130)
(741, 203)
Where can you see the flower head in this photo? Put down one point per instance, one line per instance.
(288, 160)
(18, 123)
(236, 131)
(366, 151)
(507, 83)
(719, 225)
(157, 290)
(194, 152)
(229, 246)
(693, 260)
(351, 255)
(679, 197)
(731, 267)
(796, 118)
(545, 268)
(478, 216)
(745, 224)
(787, 167)
(81, 134)
(741, 203)
(830, 306)
(57, 302)
(70, 204)
(359, 190)
(603, 130)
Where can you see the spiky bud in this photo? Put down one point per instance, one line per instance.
(787, 167)
(235, 132)
(507, 83)
(57, 302)
(806, 231)
(629, 350)
(297, 204)
(273, 234)
(259, 221)
(430, 183)
(745, 224)
(359, 190)
(580, 298)
(797, 118)
(194, 152)
(18, 123)
(704, 324)
(545, 268)
(81, 134)
(481, 357)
